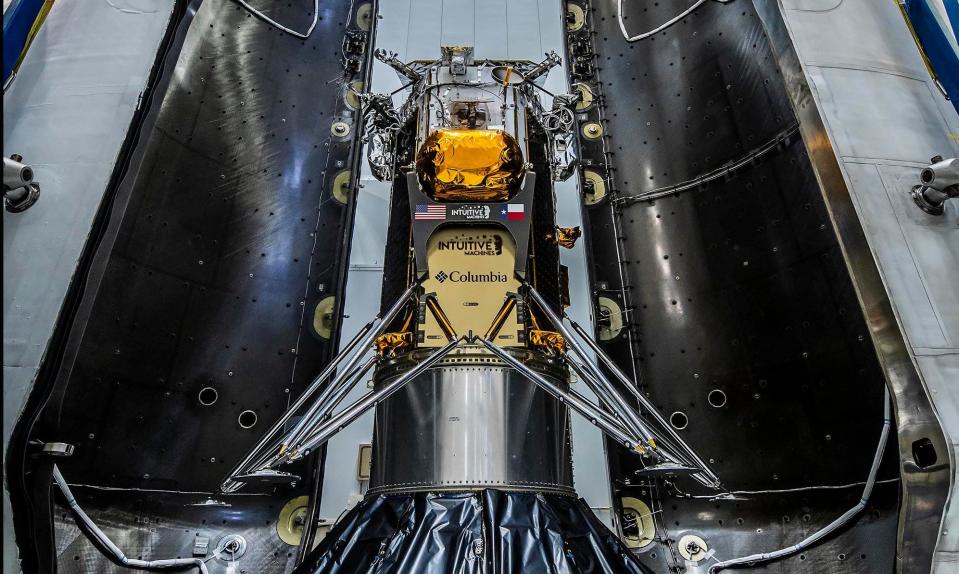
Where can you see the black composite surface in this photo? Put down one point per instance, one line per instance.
(737, 285)
(224, 238)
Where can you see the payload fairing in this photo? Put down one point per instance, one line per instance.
(743, 326)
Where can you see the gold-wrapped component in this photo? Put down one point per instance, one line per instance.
(508, 305)
(388, 344)
(469, 165)
(441, 319)
(565, 236)
(550, 341)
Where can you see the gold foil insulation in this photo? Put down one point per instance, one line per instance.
(388, 344)
(550, 341)
(469, 165)
(566, 236)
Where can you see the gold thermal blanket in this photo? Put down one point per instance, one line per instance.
(469, 165)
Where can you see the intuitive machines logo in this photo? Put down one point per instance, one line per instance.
(492, 245)
(471, 211)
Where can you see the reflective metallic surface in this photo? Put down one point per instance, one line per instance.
(470, 425)
(902, 130)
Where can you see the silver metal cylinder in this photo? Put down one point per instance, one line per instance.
(472, 422)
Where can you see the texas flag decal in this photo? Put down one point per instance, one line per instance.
(512, 212)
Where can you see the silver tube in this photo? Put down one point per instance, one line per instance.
(336, 398)
(575, 401)
(570, 340)
(354, 411)
(583, 355)
(631, 386)
(609, 395)
(605, 407)
(625, 381)
(349, 383)
(588, 364)
(763, 557)
(323, 411)
(300, 401)
(362, 339)
(584, 403)
(90, 528)
(298, 430)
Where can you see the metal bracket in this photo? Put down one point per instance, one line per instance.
(57, 449)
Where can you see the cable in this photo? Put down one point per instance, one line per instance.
(277, 25)
(755, 559)
(781, 139)
(102, 541)
(734, 493)
(667, 24)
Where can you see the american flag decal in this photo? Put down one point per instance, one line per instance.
(430, 211)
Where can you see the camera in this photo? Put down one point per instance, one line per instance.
(938, 182)
(20, 192)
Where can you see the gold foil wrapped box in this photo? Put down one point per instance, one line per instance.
(469, 165)
(550, 341)
(388, 344)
